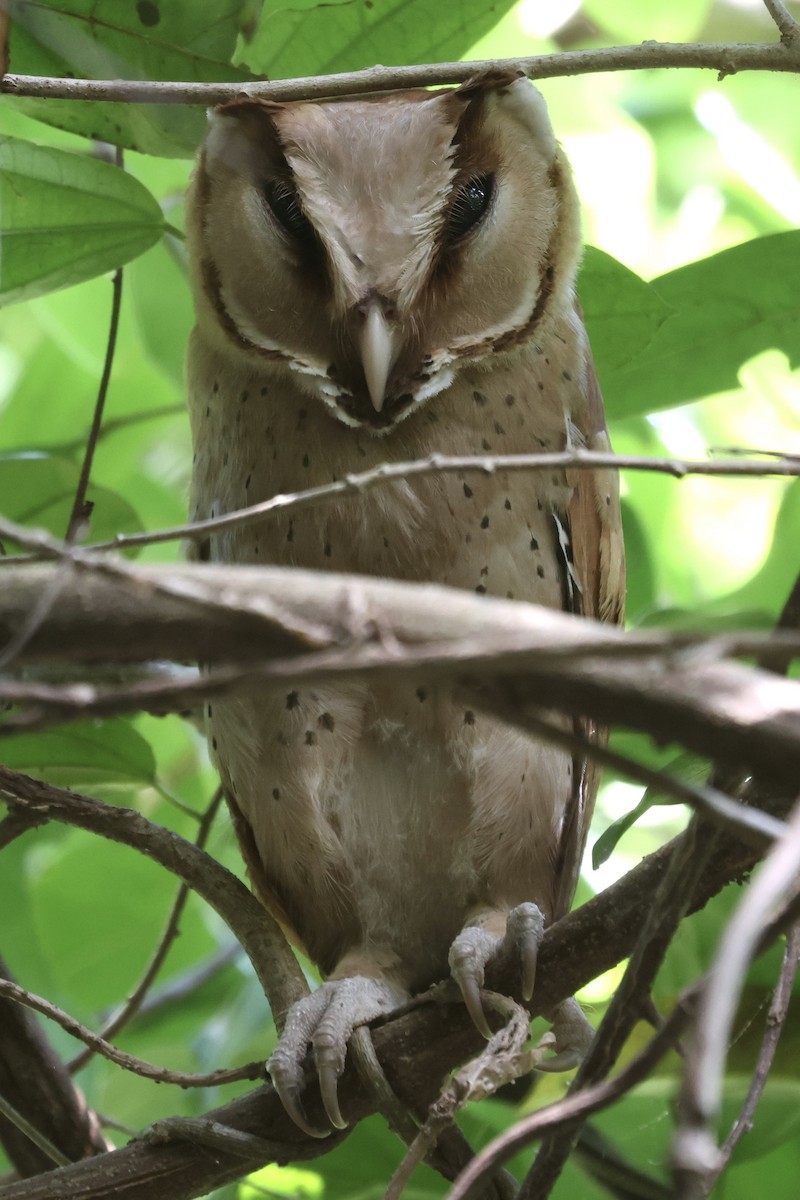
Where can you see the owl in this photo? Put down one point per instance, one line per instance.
(378, 279)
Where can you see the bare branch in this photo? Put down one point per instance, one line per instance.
(659, 923)
(725, 59)
(789, 27)
(423, 1043)
(355, 485)
(275, 965)
(567, 1114)
(128, 1062)
(320, 625)
(776, 1019)
(45, 1117)
(81, 511)
(695, 1152)
(756, 827)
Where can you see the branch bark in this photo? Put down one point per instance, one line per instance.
(724, 58)
(504, 655)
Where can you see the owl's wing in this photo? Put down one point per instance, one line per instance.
(595, 554)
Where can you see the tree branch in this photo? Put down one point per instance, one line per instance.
(276, 968)
(788, 26)
(365, 481)
(424, 1042)
(724, 58)
(502, 654)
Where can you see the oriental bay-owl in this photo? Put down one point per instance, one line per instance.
(376, 280)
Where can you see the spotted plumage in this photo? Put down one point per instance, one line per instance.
(379, 280)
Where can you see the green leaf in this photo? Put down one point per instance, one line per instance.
(66, 217)
(727, 309)
(38, 489)
(103, 39)
(309, 37)
(83, 754)
(622, 313)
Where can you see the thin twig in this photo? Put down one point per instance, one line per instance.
(789, 27)
(753, 826)
(695, 1152)
(388, 472)
(575, 1108)
(128, 1062)
(670, 904)
(187, 983)
(724, 58)
(81, 510)
(776, 1019)
(260, 935)
(134, 1002)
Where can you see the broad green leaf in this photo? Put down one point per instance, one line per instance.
(104, 39)
(309, 37)
(66, 217)
(99, 909)
(83, 754)
(622, 312)
(38, 489)
(727, 308)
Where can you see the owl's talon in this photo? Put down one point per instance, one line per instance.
(574, 1035)
(294, 1108)
(328, 1086)
(523, 937)
(471, 993)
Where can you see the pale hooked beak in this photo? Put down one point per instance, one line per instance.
(378, 343)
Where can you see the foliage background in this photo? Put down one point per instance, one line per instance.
(672, 168)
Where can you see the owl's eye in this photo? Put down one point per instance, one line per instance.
(285, 205)
(469, 207)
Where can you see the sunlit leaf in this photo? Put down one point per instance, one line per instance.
(622, 314)
(103, 39)
(727, 308)
(66, 217)
(295, 1183)
(312, 37)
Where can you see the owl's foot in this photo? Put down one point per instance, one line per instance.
(574, 1034)
(478, 944)
(325, 1020)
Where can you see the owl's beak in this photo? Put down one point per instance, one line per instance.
(378, 343)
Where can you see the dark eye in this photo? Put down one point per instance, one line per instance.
(471, 203)
(285, 205)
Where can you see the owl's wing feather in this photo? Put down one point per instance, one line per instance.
(594, 529)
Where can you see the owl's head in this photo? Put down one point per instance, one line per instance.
(374, 246)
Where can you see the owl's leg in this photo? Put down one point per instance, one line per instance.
(325, 1020)
(494, 933)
